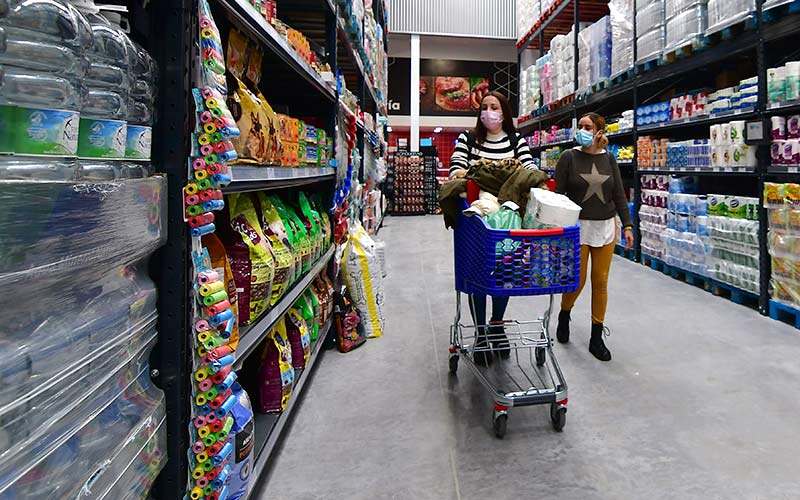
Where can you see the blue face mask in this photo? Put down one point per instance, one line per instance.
(584, 138)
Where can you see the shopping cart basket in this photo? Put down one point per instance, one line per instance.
(505, 263)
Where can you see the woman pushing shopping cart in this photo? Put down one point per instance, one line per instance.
(513, 359)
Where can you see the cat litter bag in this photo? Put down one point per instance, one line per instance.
(242, 438)
(548, 209)
(364, 278)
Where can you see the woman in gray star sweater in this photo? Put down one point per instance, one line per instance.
(590, 177)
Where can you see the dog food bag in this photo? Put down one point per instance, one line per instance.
(279, 241)
(323, 297)
(316, 310)
(248, 111)
(242, 439)
(301, 239)
(350, 332)
(237, 53)
(275, 373)
(284, 233)
(327, 230)
(306, 310)
(299, 338)
(313, 223)
(245, 221)
(219, 259)
(364, 279)
(271, 131)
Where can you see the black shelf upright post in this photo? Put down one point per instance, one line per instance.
(763, 159)
(637, 181)
(171, 360)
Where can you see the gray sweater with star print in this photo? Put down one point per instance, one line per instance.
(594, 183)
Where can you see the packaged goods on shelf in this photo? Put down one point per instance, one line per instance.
(530, 90)
(623, 124)
(555, 135)
(544, 68)
(785, 149)
(242, 440)
(528, 12)
(783, 83)
(728, 148)
(725, 13)
(621, 16)
(653, 214)
(409, 183)
(651, 152)
(743, 96)
(650, 30)
(623, 154)
(364, 278)
(688, 106)
(783, 207)
(686, 22)
(549, 158)
(652, 114)
(594, 43)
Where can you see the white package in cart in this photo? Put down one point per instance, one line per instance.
(548, 209)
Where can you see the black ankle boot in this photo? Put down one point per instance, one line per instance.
(562, 332)
(596, 345)
(497, 336)
(482, 355)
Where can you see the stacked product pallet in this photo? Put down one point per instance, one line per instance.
(653, 214)
(650, 30)
(431, 187)
(686, 23)
(82, 214)
(594, 49)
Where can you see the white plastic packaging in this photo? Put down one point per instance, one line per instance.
(548, 209)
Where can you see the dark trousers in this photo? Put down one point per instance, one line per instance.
(477, 305)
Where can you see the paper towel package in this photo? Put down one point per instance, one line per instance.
(548, 209)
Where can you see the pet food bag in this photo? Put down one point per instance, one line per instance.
(274, 230)
(547, 209)
(303, 305)
(324, 298)
(242, 439)
(313, 300)
(248, 111)
(316, 203)
(237, 53)
(364, 279)
(306, 227)
(299, 338)
(301, 243)
(313, 222)
(275, 373)
(259, 272)
(284, 232)
(220, 262)
(350, 332)
(271, 132)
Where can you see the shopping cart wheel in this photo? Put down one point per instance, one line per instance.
(500, 423)
(558, 415)
(541, 356)
(453, 364)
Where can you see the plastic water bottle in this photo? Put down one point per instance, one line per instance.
(105, 92)
(141, 103)
(41, 42)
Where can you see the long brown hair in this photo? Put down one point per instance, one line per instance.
(508, 118)
(600, 125)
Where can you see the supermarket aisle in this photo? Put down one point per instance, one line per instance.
(697, 403)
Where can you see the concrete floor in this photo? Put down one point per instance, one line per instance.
(699, 402)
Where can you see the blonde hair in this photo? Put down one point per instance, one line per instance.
(599, 124)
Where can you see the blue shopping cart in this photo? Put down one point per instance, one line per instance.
(506, 263)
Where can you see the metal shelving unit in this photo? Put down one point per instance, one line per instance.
(755, 44)
(293, 87)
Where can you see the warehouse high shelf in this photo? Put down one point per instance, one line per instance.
(292, 87)
(768, 40)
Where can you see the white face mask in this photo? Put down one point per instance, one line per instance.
(491, 119)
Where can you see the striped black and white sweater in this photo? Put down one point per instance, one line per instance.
(496, 147)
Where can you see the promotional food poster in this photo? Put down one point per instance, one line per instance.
(452, 94)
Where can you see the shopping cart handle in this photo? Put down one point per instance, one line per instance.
(537, 232)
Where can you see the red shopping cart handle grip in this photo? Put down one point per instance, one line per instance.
(556, 231)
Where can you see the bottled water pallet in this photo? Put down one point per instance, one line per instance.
(628, 254)
(623, 77)
(735, 294)
(777, 13)
(781, 312)
(687, 49)
(655, 264)
(749, 23)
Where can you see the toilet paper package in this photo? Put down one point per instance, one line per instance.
(778, 127)
(548, 209)
(737, 131)
(714, 135)
(776, 152)
(791, 152)
(727, 156)
(792, 81)
(776, 84)
(725, 137)
(793, 127)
